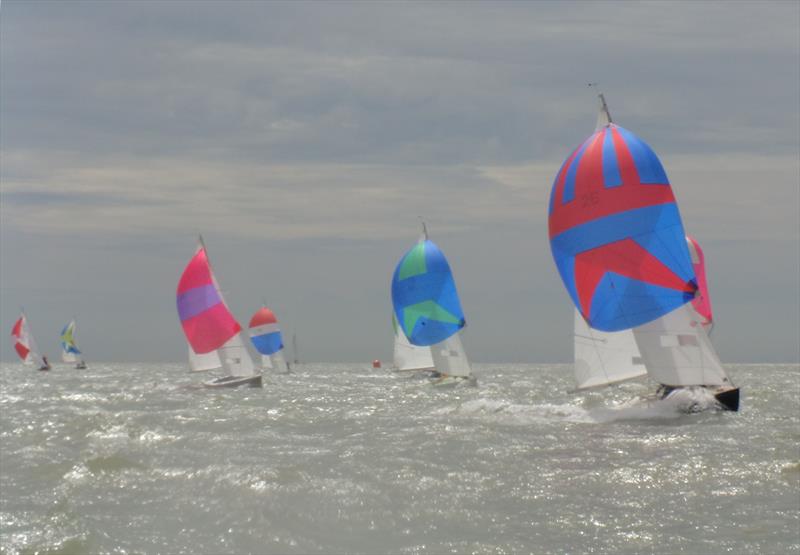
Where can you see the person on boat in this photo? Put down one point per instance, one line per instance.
(81, 365)
(45, 363)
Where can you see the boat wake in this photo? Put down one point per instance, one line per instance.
(510, 413)
(676, 405)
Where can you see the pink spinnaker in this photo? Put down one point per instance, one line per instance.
(206, 320)
(702, 300)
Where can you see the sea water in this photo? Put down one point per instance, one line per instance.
(344, 458)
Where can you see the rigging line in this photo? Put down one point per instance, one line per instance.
(590, 338)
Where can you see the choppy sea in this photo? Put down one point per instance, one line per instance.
(344, 458)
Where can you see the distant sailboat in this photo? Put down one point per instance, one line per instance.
(619, 245)
(25, 344)
(210, 327)
(267, 339)
(428, 310)
(69, 349)
(409, 358)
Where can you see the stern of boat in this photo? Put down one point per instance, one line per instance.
(728, 398)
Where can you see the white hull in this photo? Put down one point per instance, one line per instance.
(234, 381)
(454, 381)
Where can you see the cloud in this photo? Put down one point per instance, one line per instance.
(319, 132)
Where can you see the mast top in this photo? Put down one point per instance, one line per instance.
(604, 117)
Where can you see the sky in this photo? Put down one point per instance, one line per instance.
(304, 140)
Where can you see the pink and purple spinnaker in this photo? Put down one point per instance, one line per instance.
(206, 320)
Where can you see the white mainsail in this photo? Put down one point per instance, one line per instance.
(604, 358)
(450, 359)
(235, 358)
(276, 361)
(203, 362)
(677, 351)
(408, 357)
(232, 356)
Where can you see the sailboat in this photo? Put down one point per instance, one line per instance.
(25, 344)
(428, 310)
(210, 327)
(619, 245)
(409, 358)
(69, 349)
(267, 339)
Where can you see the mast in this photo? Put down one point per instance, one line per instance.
(604, 117)
(604, 107)
(424, 236)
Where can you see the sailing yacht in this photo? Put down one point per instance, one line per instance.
(428, 310)
(69, 349)
(25, 345)
(618, 242)
(267, 340)
(210, 327)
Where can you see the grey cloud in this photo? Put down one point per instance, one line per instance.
(305, 136)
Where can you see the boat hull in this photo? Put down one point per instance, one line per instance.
(453, 381)
(413, 373)
(234, 381)
(727, 397)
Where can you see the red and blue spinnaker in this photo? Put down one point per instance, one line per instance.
(265, 333)
(616, 233)
(206, 320)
